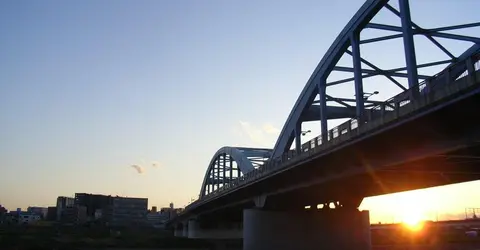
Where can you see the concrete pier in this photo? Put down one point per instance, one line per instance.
(336, 229)
(180, 230)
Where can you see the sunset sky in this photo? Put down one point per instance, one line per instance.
(133, 98)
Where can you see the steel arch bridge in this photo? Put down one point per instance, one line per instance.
(230, 163)
(348, 66)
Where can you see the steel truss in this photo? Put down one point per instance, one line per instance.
(230, 163)
(314, 102)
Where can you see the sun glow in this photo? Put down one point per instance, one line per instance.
(413, 219)
(414, 224)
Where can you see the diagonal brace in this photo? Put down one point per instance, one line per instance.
(429, 37)
(371, 65)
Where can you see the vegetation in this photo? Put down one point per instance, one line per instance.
(61, 237)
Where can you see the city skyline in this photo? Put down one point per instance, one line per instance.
(436, 208)
(134, 99)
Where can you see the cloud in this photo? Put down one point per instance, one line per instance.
(270, 129)
(263, 136)
(142, 165)
(139, 168)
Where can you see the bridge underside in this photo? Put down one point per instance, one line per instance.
(428, 152)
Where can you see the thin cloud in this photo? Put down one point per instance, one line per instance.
(262, 136)
(270, 129)
(139, 168)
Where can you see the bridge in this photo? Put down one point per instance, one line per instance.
(305, 194)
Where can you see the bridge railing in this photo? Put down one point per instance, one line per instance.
(426, 93)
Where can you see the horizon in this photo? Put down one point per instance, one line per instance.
(457, 213)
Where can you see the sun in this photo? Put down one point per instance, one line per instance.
(413, 220)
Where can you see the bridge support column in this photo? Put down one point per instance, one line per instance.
(317, 229)
(178, 230)
(182, 231)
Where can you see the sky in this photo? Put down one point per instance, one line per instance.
(133, 98)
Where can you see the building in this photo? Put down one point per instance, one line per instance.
(28, 218)
(74, 215)
(3, 213)
(98, 214)
(113, 210)
(154, 209)
(42, 211)
(171, 211)
(62, 203)
(3, 210)
(51, 214)
(125, 211)
(92, 202)
(157, 219)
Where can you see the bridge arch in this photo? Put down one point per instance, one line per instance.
(311, 104)
(229, 163)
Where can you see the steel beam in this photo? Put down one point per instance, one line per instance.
(357, 73)
(456, 27)
(422, 31)
(322, 92)
(216, 172)
(298, 137)
(408, 43)
(231, 167)
(224, 170)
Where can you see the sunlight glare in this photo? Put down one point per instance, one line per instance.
(413, 220)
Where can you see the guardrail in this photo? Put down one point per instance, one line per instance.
(425, 93)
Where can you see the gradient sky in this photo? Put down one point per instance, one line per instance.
(90, 88)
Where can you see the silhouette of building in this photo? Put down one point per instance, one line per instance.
(51, 214)
(74, 215)
(92, 202)
(126, 211)
(42, 211)
(62, 203)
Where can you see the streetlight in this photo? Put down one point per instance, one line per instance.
(368, 95)
(306, 132)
